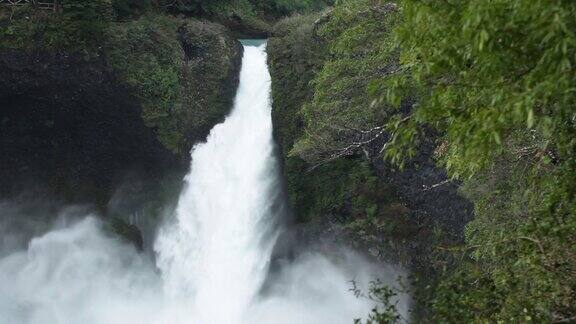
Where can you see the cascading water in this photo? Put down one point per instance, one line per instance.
(213, 255)
(218, 249)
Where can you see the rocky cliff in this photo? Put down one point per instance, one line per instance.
(111, 125)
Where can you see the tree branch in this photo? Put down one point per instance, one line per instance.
(426, 188)
(353, 146)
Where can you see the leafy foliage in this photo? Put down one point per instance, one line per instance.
(211, 7)
(242, 8)
(281, 8)
(519, 259)
(347, 186)
(496, 78)
(81, 24)
(341, 117)
(125, 9)
(386, 310)
(483, 69)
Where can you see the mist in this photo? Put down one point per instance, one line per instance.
(212, 255)
(81, 274)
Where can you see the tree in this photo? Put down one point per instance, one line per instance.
(496, 79)
(386, 310)
(342, 119)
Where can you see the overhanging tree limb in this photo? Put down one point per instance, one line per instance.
(375, 133)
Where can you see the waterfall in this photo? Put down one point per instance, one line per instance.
(218, 248)
(213, 254)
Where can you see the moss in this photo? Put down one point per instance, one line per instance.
(347, 187)
(146, 52)
(213, 60)
(339, 189)
(183, 72)
(148, 84)
(79, 26)
(294, 56)
(524, 257)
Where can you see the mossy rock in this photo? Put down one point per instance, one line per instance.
(185, 73)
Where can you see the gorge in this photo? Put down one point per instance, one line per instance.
(213, 255)
(370, 162)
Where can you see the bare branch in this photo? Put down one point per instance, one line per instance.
(565, 320)
(426, 188)
(376, 133)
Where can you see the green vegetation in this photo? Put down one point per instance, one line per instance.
(210, 7)
(495, 80)
(184, 87)
(154, 70)
(181, 96)
(296, 55)
(314, 72)
(126, 9)
(386, 310)
(80, 26)
(275, 8)
(370, 79)
(281, 8)
(341, 115)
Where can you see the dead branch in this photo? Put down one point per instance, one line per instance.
(565, 320)
(352, 147)
(426, 188)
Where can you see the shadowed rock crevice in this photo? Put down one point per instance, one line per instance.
(71, 128)
(75, 127)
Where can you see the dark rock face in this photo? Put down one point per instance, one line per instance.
(129, 232)
(245, 28)
(70, 128)
(427, 211)
(426, 190)
(437, 211)
(73, 128)
(423, 212)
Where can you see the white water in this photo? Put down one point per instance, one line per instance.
(215, 252)
(213, 255)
